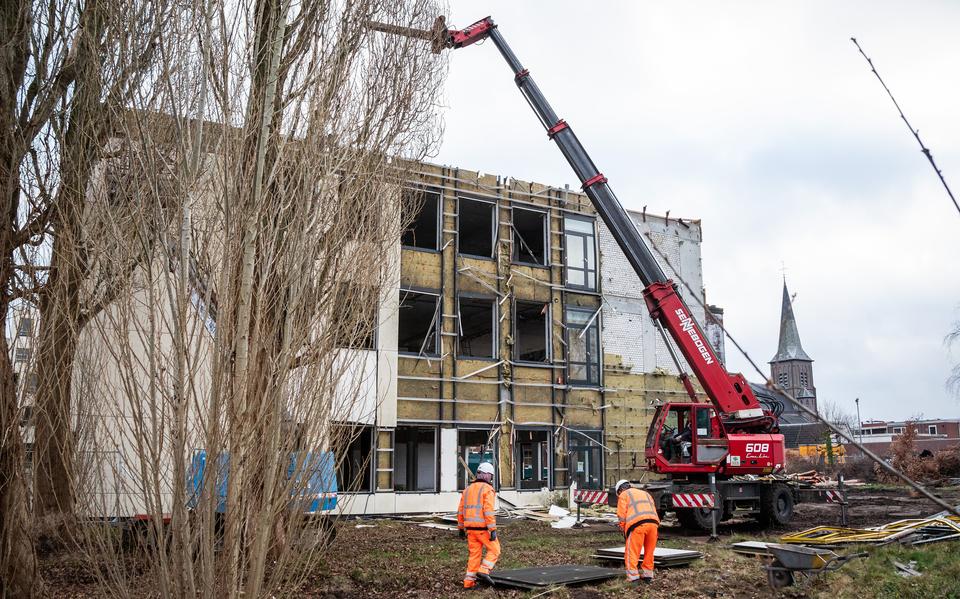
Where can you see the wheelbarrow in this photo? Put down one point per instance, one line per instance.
(809, 561)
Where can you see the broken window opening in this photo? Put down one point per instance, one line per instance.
(586, 458)
(532, 336)
(417, 326)
(477, 319)
(529, 236)
(26, 327)
(354, 316)
(421, 209)
(532, 453)
(476, 228)
(355, 469)
(580, 252)
(474, 447)
(583, 347)
(415, 459)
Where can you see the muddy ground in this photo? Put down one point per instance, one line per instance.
(392, 558)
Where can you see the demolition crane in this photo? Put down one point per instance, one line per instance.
(700, 446)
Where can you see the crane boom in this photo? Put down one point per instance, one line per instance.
(730, 393)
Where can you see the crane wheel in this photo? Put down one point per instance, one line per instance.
(695, 518)
(776, 505)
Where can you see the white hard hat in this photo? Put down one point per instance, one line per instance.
(620, 483)
(485, 467)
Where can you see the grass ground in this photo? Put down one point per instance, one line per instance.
(390, 558)
(397, 559)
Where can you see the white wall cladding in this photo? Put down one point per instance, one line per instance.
(628, 331)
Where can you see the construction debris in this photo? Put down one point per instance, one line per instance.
(565, 522)
(911, 531)
(906, 570)
(663, 557)
(551, 576)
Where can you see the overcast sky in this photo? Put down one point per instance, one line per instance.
(763, 121)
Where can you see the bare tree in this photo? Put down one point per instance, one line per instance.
(261, 240)
(35, 76)
(112, 50)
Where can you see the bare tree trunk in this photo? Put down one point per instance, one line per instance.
(18, 568)
(60, 310)
(17, 558)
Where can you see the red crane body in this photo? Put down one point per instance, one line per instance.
(732, 434)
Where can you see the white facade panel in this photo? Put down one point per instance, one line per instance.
(628, 331)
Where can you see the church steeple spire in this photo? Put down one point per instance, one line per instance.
(791, 368)
(789, 347)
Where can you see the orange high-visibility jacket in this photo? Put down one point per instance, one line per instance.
(636, 506)
(477, 507)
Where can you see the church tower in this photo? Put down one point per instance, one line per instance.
(792, 368)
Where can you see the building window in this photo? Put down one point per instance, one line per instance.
(932, 429)
(477, 320)
(355, 467)
(532, 453)
(22, 354)
(31, 386)
(586, 458)
(530, 236)
(474, 447)
(804, 380)
(783, 380)
(531, 331)
(26, 415)
(25, 329)
(581, 252)
(583, 347)
(415, 459)
(898, 430)
(421, 209)
(354, 316)
(476, 227)
(417, 326)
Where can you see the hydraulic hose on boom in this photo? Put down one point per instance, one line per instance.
(730, 393)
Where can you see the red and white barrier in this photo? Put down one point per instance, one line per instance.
(693, 500)
(589, 496)
(834, 497)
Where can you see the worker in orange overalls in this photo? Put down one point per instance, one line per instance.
(639, 522)
(478, 524)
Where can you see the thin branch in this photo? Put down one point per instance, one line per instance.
(915, 132)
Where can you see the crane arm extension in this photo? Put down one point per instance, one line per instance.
(730, 393)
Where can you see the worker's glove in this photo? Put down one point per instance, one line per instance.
(493, 535)
(463, 534)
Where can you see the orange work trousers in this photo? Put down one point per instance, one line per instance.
(642, 537)
(477, 562)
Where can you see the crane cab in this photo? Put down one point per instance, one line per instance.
(686, 438)
(691, 439)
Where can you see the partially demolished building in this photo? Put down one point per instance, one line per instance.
(521, 338)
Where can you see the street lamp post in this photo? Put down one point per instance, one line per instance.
(859, 422)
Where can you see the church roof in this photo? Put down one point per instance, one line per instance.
(789, 347)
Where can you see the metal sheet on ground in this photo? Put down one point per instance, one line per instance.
(662, 556)
(751, 548)
(533, 578)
